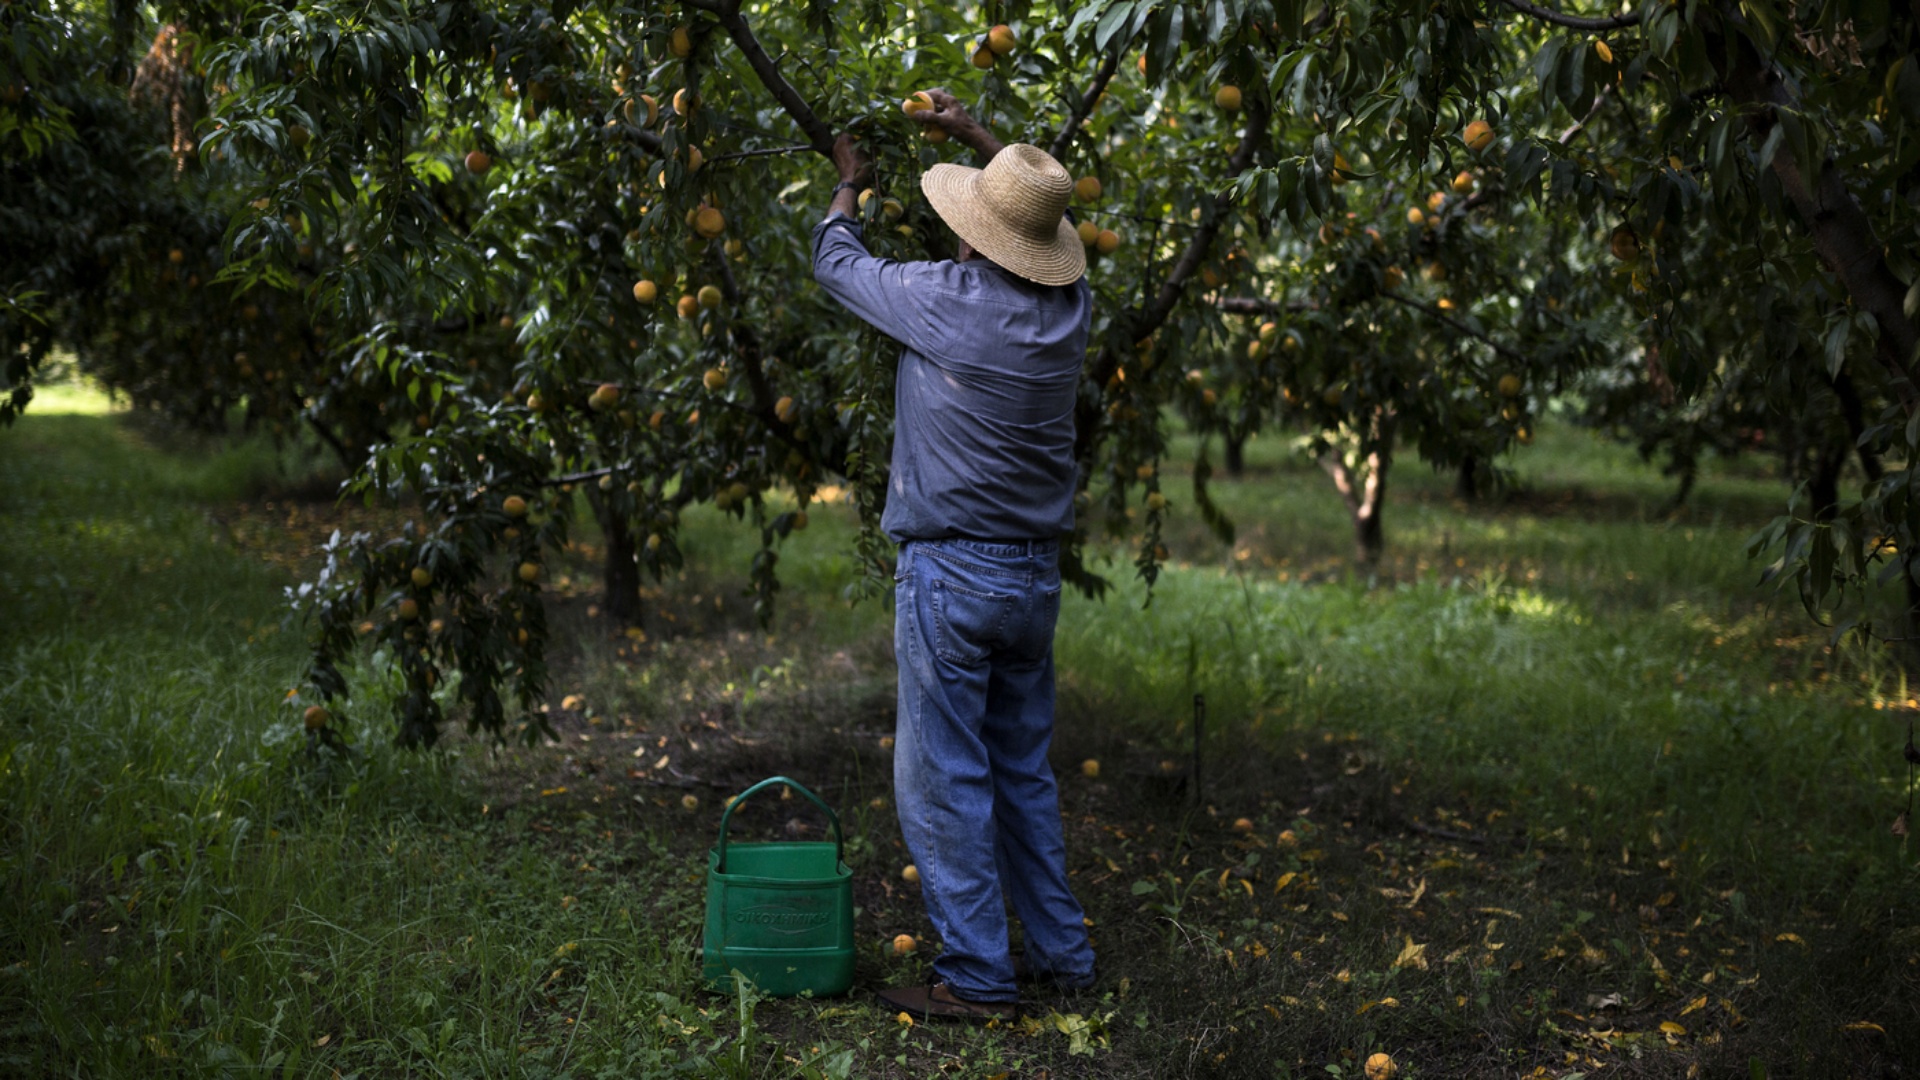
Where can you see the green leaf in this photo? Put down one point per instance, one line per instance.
(1836, 345)
(1116, 16)
(1770, 147)
(1906, 87)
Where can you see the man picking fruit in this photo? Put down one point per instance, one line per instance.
(981, 490)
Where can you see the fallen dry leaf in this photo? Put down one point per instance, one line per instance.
(1411, 956)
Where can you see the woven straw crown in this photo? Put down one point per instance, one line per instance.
(1013, 212)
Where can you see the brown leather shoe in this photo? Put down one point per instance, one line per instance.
(939, 1002)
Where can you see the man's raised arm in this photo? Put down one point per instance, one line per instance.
(948, 115)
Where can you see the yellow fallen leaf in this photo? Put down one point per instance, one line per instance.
(1864, 1025)
(1286, 879)
(1795, 938)
(1411, 956)
(1695, 1005)
(903, 1019)
(1669, 1027)
(1659, 969)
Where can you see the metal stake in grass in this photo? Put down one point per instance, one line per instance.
(1199, 727)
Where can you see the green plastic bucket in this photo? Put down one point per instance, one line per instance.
(781, 914)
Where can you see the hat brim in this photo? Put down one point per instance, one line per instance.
(953, 190)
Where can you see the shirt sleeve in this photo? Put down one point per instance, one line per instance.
(873, 288)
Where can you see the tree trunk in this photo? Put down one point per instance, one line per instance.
(1823, 484)
(1689, 475)
(1236, 455)
(1466, 485)
(1854, 414)
(1369, 534)
(622, 573)
(1363, 487)
(350, 459)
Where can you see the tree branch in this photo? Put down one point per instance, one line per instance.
(1254, 305)
(1078, 114)
(648, 140)
(1202, 240)
(750, 353)
(1599, 99)
(1147, 319)
(1842, 234)
(1455, 323)
(1342, 480)
(335, 442)
(819, 135)
(575, 478)
(1573, 22)
(770, 151)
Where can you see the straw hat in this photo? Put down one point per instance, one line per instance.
(1013, 212)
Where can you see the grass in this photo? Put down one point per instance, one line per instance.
(1557, 777)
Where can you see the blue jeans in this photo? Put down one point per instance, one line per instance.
(973, 633)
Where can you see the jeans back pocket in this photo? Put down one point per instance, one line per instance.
(968, 623)
(1033, 641)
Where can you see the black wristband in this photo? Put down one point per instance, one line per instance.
(844, 185)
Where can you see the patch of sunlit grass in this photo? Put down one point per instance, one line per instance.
(74, 397)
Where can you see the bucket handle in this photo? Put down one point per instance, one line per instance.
(839, 839)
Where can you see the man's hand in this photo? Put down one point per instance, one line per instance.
(950, 116)
(851, 161)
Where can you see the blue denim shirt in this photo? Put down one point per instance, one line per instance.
(983, 406)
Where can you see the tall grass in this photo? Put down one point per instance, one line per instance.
(188, 892)
(1590, 730)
